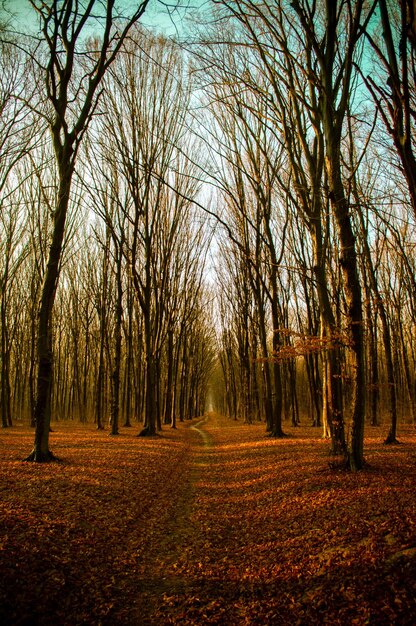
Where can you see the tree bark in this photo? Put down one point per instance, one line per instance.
(352, 287)
(333, 418)
(41, 452)
(115, 377)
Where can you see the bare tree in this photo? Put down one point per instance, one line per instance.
(393, 87)
(72, 76)
(13, 251)
(329, 33)
(142, 136)
(19, 129)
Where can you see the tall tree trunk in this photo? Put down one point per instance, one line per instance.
(332, 405)
(62, 26)
(129, 357)
(150, 365)
(169, 381)
(41, 451)
(352, 287)
(102, 315)
(6, 417)
(115, 377)
(373, 361)
(32, 368)
(388, 353)
(85, 368)
(158, 398)
(335, 93)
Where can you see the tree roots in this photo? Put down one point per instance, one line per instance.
(42, 457)
(146, 432)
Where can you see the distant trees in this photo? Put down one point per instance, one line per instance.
(297, 91)
(146, 186)
(293, 71)
(17, 136)
(128, 334)
(274, 125)
(393, 87)
(71, 99)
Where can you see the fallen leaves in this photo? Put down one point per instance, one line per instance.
(215, 524)
(76, 534)
(283, 539)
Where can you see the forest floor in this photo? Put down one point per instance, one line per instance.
(211, 523)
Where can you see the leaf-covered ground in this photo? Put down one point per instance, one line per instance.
(212, 523)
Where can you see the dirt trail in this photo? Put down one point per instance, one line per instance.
(209, 523)
(206, 577)
(259, 536)
(164, 585)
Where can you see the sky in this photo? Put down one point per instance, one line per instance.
(21, 9)
(156, 16)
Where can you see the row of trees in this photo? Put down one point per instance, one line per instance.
(291, 125)
(313, 124)
(124, 333)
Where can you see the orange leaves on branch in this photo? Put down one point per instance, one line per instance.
(296, 344)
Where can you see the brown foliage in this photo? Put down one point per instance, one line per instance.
(215, 524)
(302, 345)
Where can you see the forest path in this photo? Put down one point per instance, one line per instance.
(202, 571)
(264, 533)
(209, 523)
(163, 584)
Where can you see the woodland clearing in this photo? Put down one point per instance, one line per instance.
(211, 523)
